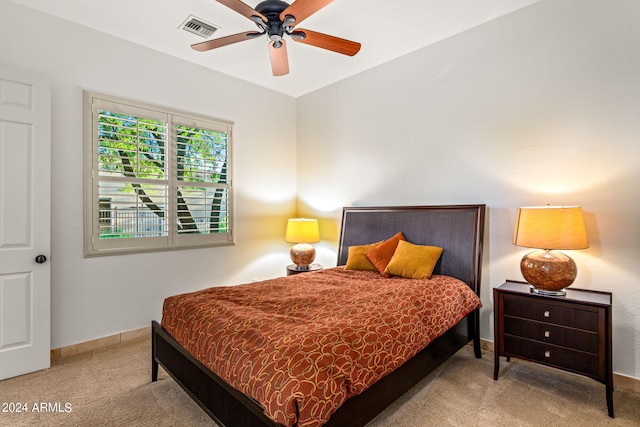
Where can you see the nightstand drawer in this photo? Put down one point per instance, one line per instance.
(552, 334)
(557, 314)
(576, 361)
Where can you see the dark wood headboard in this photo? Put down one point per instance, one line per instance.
(459, 229)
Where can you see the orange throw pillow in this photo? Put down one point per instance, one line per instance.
(381, 254)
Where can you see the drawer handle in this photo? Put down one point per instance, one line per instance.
(547, 334)
(547, 353)
(547, 314)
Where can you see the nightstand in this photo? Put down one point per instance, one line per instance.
(293, 269)
(571, 332)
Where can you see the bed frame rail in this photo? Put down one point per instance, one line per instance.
(226, 405)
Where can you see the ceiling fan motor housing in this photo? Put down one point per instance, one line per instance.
(271, 7)
(274, 27)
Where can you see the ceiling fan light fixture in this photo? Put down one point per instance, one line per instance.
(254, 35)
(258, 20)
(289, 20)
(298, 35)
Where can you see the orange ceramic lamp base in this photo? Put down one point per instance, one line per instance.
(302, 255)
(548, 271)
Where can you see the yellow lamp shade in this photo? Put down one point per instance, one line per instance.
(550, 227)
(302, 230)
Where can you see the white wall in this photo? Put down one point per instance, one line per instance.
(92, 298)
(540, 106)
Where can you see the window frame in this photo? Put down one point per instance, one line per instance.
(93, 244)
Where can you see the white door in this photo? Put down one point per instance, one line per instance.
(25, 151)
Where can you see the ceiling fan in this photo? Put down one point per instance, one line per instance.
(276, 18)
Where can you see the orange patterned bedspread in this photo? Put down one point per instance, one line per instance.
(303, 344)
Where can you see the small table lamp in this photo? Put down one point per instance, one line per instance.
(548, 228)
(302, 231)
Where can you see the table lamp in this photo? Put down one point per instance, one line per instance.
(549, 228)
(302, 232)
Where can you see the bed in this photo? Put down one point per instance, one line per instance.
(458, 229)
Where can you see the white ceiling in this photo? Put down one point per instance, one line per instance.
(386, 29)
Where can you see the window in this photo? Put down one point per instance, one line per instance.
(155, 179)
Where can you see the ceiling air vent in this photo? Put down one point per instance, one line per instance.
(198, 26)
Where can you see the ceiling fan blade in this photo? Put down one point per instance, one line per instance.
(302, 9)
(242, 9)
(325, 41)
(223, 41)
(279, 58)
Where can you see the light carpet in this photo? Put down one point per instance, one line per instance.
(112, 387)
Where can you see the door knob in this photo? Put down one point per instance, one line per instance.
(41, 259)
